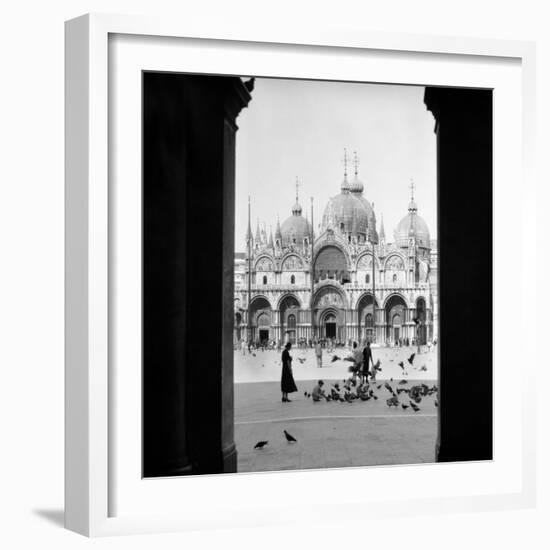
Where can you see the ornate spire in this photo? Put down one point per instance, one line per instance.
(356, 187)
(270, 236)
(382, 232)
(278, 234)
(258, 236)
(249, 230)
(297, 209)
(412, 204)
(345, 183)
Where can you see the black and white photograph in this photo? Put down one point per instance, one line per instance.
(328, 344)
(336, 277)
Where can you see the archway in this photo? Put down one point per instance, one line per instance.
(331, 263)
(395, 312)
(260, 319)
(366, 319)
(421, 316)
(289, 313)
(329, 325)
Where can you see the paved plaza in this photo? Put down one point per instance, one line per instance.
(331, 434)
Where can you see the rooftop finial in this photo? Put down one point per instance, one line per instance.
(297, 185)
(345, 161)
(355, 162)
(411, 187)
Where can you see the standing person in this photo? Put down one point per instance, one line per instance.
(367, 358)
(357, 360)
(287, 379)
(319, 354)
(243, 346)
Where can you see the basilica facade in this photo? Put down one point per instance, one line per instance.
(345, 283)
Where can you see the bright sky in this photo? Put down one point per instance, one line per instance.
(298, 128)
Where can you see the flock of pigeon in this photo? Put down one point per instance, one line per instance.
(351, 391)
(365, 391)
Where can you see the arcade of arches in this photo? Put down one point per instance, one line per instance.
(390, 322)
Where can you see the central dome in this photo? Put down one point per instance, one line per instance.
(346, 213)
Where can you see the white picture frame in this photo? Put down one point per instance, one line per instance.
(91, 217)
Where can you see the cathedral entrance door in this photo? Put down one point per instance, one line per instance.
(330, 326)
(264, 335)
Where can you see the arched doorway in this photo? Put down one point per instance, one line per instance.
(395, 312)
(421, 329)
(329, 325)
(289, 314)
(365, 317)
(260, 319)
(264, 324)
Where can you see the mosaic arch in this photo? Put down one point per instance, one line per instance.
(292, 263)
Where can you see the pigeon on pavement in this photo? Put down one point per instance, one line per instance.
(261, 444)
(289, 438)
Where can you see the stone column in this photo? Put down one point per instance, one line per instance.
(464, 156)
(188, 218)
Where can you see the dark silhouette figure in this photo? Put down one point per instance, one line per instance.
(287, 379)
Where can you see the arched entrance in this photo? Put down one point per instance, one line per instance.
(329, 325)
(260, 319)
(395, 312)
(289, 313)
(264, 324)
(421, 329)
(365, 316)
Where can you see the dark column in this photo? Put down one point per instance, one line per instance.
(465, 179)
(188, 226)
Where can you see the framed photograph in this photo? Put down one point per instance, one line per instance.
(290, 264)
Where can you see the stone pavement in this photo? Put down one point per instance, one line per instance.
(265, 366)
(329, 434)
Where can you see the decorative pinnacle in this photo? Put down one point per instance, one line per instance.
(411, 187)
(345, 161)
(355, 162)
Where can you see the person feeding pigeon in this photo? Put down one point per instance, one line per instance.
(287, 379)
(357, 360)
(318, 391)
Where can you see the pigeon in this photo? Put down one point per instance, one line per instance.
(404, 407)
(335, 358)
(411, 358)
(261, 444)
(414, 407)
(423, 368)
(253, 355)
(403, 382)
(305, 394)
(302, 360)
(436, 403)
(379, 386)
(401, 364)
(289, 438)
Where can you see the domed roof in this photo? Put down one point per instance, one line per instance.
(412, 222)
(346, 213)
(295, 228)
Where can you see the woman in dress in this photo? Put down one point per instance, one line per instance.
(287, 380)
